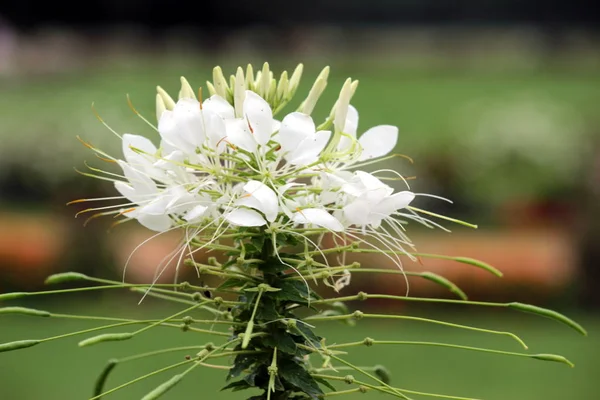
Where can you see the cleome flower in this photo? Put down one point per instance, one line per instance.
(227, 162)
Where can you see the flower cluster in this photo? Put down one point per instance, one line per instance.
(227, 168)
(226, 162)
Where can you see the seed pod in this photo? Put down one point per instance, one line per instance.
(23, 310)
(19, 344)
(107, 337)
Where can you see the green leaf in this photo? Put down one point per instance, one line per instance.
(237, 386)
(240, 364)
(296, 291)
(233, 283)
(325, 382)
(286, 239)
(308, 333)
(267, 310)
(258, 242)
(296, 375)
(251, 248)
(282, 340)
(274, 266)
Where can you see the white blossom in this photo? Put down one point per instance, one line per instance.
(227, 163)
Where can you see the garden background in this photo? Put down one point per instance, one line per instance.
(498, 108)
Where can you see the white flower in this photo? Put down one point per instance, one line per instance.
(226, 163)
(374, 201)
(257, 197)
(319, 217)
(300, 143)
(256, 126)
(375, 142)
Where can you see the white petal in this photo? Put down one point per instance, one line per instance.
(395, 202)
(158, 223)
(190, 121)
(127, 191)
(219, 106)
(378, 141)
(318, 217)
(195, 213)
(357, 212)
(370, 182)
(309, 149)
(295, 127)
(350, 128)
(351, 121)
(239, 135)
(260, 117)
(140, 182)
(267, 198)
(158, 205)
(137, 142)
(245, 217)
(171, 134)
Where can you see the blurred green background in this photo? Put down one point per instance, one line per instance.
(503, 121)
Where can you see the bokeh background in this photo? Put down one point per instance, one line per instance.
(497, 104)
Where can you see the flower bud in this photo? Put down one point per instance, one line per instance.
(265, 81)
(282, 86)
(313, 96)
(250, 85)
(211, 89)
(219, 82)
(341, 109)
(239, 92)
(295, 81)
(168, 100)
(186, 91)
(160, 106)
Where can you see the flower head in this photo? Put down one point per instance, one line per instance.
(228, 162)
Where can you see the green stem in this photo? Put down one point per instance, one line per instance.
(369, 342)
(396, 391)
(358, 315)
(514, 305)
(386, 390)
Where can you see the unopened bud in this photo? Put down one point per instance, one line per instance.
(250, 77)
(341, 109)
(239, 92)
(295, 80)
(167, 100)
(219, 82)
(313, 96)
(160, 107)
(186, 91)
(282, 86)
(211, 89)
(265, 81)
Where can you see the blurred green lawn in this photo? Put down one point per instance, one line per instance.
(61, 370)
(437, 108)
